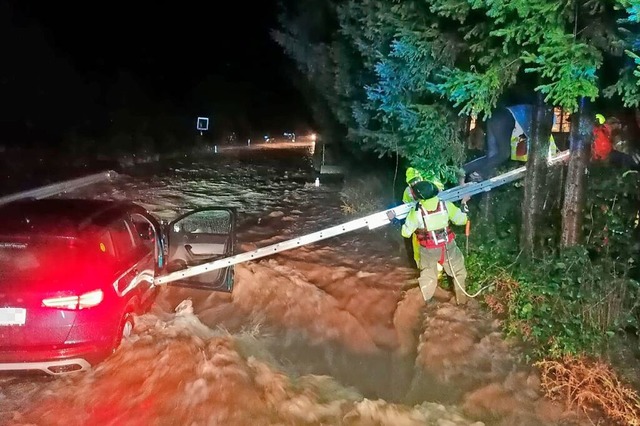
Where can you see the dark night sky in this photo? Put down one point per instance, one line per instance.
(170, 48)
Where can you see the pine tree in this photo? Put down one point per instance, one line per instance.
(309, 35)
(405, 46)
(555, 48)
(374, 73)
(394, 75)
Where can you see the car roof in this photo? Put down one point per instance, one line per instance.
(59, 216)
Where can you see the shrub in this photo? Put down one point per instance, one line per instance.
(364, 195)
(567, 302)
(562, 304)
(591, 386)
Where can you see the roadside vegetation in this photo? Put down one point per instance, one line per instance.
(560, 250)
(576, 310)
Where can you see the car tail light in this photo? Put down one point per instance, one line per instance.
(86, 300)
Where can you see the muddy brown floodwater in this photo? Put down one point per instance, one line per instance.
(328, 334)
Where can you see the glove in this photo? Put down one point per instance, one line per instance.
(465, 208)
(392, 217)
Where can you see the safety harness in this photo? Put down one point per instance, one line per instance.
(437, 238)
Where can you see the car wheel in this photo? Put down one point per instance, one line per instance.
(126, 328)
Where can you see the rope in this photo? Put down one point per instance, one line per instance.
(455, 279)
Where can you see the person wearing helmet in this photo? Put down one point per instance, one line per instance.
(414, 176)
(429, 223)
(622, 152)
(602, 144)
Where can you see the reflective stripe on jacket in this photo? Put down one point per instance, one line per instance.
(520, 148)
(523, 116)
(407, 196)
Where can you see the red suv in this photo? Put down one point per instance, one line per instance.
(74, 273)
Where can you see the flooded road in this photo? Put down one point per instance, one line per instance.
(328, 334)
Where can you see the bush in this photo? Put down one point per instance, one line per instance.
(563, 304)
(364, 195)
(591, 386)
(569, 302)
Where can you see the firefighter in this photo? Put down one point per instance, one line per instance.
(413, 176)
(429, 223)
(523, 116)
(508, 132)
(605, 147)
(602, 143)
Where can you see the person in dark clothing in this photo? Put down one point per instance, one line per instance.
(497, 146)
(622, 154)
(508, 135)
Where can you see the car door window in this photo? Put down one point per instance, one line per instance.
(122, 239)
(144, 231)
(128, 253)
(202, 236)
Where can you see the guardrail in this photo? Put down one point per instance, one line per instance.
(60, 187)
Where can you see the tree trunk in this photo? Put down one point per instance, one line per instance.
(463, 128)
(575, 188)
(536, 175)
(486, 216)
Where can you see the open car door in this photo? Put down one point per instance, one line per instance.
(199, 237)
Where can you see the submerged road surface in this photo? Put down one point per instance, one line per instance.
(326, 334)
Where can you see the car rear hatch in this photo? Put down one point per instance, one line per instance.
(38, 281)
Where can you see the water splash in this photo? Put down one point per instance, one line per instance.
(328, 334)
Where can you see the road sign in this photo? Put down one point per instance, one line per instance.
(202, 123)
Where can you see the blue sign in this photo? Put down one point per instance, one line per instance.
(202, 123)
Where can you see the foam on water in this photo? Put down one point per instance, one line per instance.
(326, 334)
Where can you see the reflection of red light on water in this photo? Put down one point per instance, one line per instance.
(177, 372)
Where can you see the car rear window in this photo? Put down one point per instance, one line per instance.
(47, 258)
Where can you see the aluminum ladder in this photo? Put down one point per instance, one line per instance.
(372, 221)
